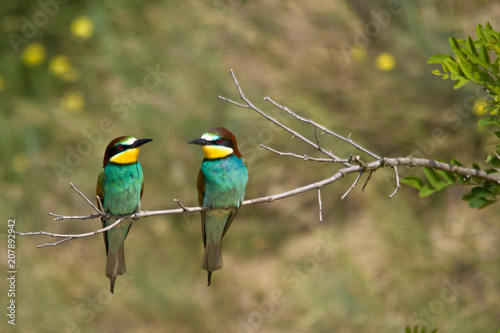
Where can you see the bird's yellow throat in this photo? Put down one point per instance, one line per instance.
(215, 152)
(127, 157)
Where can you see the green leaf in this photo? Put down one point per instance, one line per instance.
(495, 68)
(412, 181)
(493, 160)
(466, 68)
(480, 76)
(488, 121)
(483, 55)
(469, 45)
(448, 177)
(407, 329)
(456, 48)
(481, 34)
(477, 202)
(497, 134)
(436, 72)
(453, 67)
(460, 82)
(491, 171)
(439, 58)
(455, 162)
(473, 58)
(432, 176)
(425, 191)
(480, 192)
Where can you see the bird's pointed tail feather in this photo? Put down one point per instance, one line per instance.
(212, 259)
(115, 265)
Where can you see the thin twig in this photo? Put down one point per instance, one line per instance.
(398, 185)
(305, 157)
(180, 204)
(100, 204)
(309, 121)
(367, 179)
(271, 119)
(320, 205)
(352, 186)
(69, 237)
(85, 198)
(62, 217)
(56, 243)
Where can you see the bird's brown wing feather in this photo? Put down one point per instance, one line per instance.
(100, 193)
(201, 194)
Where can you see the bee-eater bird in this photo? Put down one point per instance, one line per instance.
(221, 186)
(119, 186)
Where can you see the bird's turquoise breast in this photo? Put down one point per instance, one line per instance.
(122, 188)
(225, 182)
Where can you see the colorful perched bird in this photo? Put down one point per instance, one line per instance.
(119, 186)
(221, 184)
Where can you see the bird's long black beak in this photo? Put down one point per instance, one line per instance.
(140, 142)
(201, 142)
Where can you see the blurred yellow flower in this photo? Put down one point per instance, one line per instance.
(479, 107)
(385, 61)
(62, 67)
(358, 53)
(20, 163)
(72, 101)
(2, 83)
(82, 27)
(34, 54)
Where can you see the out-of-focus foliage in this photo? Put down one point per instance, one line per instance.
(415, 330)
(76, 74)
(472, 62)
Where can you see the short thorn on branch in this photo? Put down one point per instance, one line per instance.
(181, 205)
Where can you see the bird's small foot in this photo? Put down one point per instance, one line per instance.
(136, 216)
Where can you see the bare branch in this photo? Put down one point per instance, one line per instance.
(348, 139)
(352, 186)
(398, 185)
(99, 201)
(305, 157)
(85, 198)
(320, 206)
(62, 217)
(367, 180)
(271, 119)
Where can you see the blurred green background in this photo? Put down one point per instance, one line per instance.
(76, 74)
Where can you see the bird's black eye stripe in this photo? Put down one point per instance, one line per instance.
(117, 149)
(223, 142)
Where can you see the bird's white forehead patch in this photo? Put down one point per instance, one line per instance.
(129, 141)
(210, 137)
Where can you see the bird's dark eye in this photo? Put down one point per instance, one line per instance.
(120, 147)
(219, 141)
